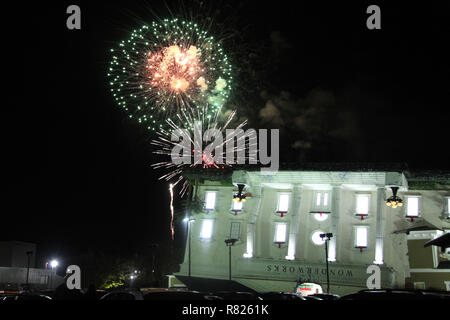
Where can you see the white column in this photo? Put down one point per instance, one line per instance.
(335, 212)
(295, 217)
(380, 225)
(251, 222)
(250, 237)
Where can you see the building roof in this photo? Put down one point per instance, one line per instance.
(428, 179)
(420, 226)
(335, 166)
(417, 179)
(442, 241)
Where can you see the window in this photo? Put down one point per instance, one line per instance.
(207, 227)
(235, 230)
(280, 233)
(316, 239)
(448, 207)
(412, 206)
(321, 201)
(362, 204)
(210, 200)
(237, 206)
(361, 236)
(283, 202)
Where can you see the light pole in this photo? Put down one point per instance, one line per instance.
(29, 253)
(53, 264)
(188, 225)
(327, 237)
(229, 243)
(132, 277)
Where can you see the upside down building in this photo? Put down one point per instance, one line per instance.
(276, 230)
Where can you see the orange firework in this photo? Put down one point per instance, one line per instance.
(168, 67)
(177, 70)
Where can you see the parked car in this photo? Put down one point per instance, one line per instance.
(180, 295)
(436, 294)
(281, 296)
(312, 298)
(395, 294)
(237, 295)
(326, 296)
(99, 294)
(123, 294)
(25, 297)
(162, 294)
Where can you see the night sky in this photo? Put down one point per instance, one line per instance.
(76, 171)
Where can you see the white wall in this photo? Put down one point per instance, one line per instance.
(210, 257)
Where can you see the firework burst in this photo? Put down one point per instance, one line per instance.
(168, 67)
(196, 122)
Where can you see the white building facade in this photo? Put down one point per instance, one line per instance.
(277, 229)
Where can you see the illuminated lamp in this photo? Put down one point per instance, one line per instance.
(394, 201)
(239, 196)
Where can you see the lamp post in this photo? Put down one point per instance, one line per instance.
(133, 276)
(188, 226)
(53, 264)
(29, 253)
(229, 243)
(326, 237)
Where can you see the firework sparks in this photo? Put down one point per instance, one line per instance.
(172, 230)
(195, 121)
(167, 67)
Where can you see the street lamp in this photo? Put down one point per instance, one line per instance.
(54, 264)
(326, 237)
(29, 253)
(230, 243)
(188, 221)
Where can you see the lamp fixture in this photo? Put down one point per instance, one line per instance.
(239, 196)
(394, 201)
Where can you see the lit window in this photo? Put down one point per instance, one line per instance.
(283, 202)
(412, 207)
(280, 232)
(321, 201)
(210, 200)
(237, 205)
(316, 239)
(207, 227)
(448, 207)
(362, 204)
(235, 230)
(325, 199)
(361, 237)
